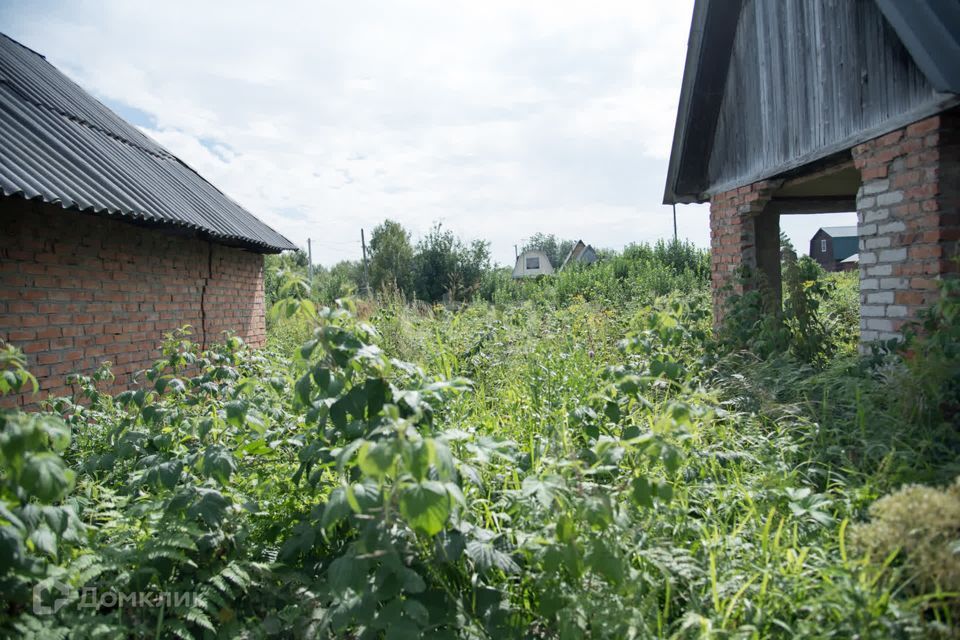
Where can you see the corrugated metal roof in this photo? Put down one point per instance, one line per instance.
(840, 232)
(61, 145)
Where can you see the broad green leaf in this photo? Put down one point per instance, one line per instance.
(544, 490)
(307, 349)
(218, 463)
(413, 582)
(336, 508)
(419, 456)
(376, 458)
(298, 543)
(165, 474)
(425, 506)
(345, 573)
(665, 491)
(404, 629)
(303, 388)
(236, 411)
(11, 549)
(44, 541)
(46, 477)
(488, 557)
(211, 507)
(602, 560)
(641, 492)
(416, 611)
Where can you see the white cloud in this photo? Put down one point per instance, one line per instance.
(499, 118)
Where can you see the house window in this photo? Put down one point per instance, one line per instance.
(823, 246)
(533, 263)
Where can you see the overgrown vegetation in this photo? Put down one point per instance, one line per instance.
(582, 458)
(439, 267)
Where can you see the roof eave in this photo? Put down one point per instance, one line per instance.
(715, 20)
(694, 42)
(238, 242)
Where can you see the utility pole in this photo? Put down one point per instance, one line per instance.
(309, 262)
(366, 278)
(674, 222)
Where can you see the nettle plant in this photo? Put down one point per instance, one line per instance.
(170, 543)
(363, 554)
(37, 527)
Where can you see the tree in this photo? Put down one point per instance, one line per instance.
(275, 268)
(472, 262)
(343, 278)
(555, 249)
(391, 257)
(444, 264)
(435, 262)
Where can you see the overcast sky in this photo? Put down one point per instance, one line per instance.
(496, 118)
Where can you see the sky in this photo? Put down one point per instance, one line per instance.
(496, 119)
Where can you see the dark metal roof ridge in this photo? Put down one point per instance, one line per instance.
(20, 44)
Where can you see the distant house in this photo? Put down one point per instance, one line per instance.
(818, 106)
(582, 253)
(832, 245)
(850, 263)
(532, 263)
(108, 240)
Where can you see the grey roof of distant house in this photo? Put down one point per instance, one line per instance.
(840, 232)
(60, 145)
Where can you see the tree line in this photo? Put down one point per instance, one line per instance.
(440, 266)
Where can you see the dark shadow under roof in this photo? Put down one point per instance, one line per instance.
(60, 145)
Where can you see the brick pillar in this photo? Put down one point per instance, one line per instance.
(908, 216)
(741, 234)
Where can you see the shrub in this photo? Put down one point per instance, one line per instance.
(922, 525)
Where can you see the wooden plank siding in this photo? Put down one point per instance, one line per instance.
(807, 79)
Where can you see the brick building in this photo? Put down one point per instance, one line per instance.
(107, 240)
(819, 106)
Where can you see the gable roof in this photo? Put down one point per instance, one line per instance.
(580, 252)
(840, 232)
(60, 145)
(928, 29)
(544, 266)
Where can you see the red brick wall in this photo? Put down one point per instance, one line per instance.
(909, 220)
(733, 242)
(76, 290)
(908, 211)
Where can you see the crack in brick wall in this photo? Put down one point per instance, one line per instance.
(76, 290)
